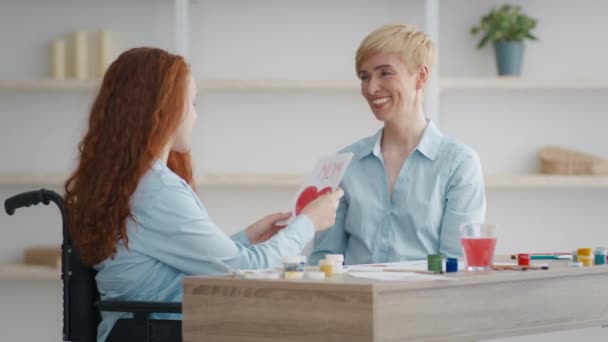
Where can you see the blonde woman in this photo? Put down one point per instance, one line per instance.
(408, 187)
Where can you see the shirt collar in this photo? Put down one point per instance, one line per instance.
(429, 143)
(158, 165)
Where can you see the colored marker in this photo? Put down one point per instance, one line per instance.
(559, 256)
(551, 257)
(522, 268)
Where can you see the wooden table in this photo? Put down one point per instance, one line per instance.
(472, 307)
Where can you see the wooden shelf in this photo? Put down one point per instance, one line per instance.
(48, 84)
(28, 272)
(278, 85)
(261, 180)
(498, 181)
(218, 179)
(274, 85)
(446, 84)
(516, 83)
(547, 181)
(251, 180)
(32, 179)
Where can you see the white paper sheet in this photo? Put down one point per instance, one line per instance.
(418, 265)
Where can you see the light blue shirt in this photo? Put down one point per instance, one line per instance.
(174, 236)
(439, 187)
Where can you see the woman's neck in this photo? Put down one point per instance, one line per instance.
(403, 134)
(164, 155)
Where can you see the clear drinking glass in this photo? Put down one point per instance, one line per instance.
(478, 244)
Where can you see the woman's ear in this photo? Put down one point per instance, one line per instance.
(422, 77)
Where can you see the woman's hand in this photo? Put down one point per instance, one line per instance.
(322, 211)
(266, 227)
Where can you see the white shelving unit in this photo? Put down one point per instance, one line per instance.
(445, 84)
(269, 85)
(261, 180)
(517, 203)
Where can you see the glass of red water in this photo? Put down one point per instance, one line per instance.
(478, 244)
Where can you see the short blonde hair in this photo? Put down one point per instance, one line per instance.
(413, 46)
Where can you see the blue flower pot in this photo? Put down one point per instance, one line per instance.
(508, 57)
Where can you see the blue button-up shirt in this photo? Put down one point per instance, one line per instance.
(439, 187)
(173, 236)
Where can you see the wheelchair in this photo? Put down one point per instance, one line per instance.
(81, 304)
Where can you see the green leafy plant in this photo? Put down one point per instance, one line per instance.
(507, 23)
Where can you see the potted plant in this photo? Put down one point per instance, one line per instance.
(507, 28)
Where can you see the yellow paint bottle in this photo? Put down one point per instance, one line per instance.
(585, 255)
(327, 267)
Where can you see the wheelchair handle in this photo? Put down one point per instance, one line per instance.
(27, 199)
(30, 198)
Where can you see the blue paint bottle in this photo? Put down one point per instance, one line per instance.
(600, 256)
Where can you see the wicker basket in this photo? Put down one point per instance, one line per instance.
(557, 160)
(43, 255)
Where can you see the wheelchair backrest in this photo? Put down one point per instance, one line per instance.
(80, 317)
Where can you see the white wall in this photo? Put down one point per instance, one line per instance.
(507, 127)
(570, 35)
(284, 131)
(31, 311)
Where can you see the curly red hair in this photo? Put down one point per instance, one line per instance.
(138, 109)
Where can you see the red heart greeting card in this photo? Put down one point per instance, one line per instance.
(308, 195)
(326, 176)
